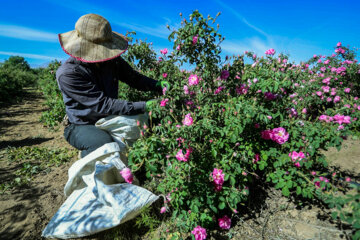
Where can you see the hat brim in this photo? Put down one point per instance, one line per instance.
(87, 51)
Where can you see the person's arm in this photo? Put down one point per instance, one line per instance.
(134, 79)
(80, 88)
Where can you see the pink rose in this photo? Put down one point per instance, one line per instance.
(266, 134)
(163, 102)
(336, 99)
(195, 39)
(218, 90)
(164, 51)
(256, 158)
(279, 135)
(127, 175)
(180, 156)
(218, 176)
(164, 75)
(347, 90)
(242, 90)
(224, 222)
(193, 80)
(188, 121)
(186, 89)
(271, 51)
(199, 233)
(162, 210)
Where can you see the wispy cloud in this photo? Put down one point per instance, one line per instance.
(159, 31)
(240, 17)
(254, 44)
(25, 33)
(28, 55)
(116, 18)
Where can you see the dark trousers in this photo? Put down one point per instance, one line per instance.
(86, 138)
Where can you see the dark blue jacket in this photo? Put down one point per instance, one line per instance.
(90, 90)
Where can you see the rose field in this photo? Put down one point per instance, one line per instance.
(230, 132)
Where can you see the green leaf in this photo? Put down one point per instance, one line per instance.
(298, 190)
(232, 181)
(221, 205)
(285, 191)
(213, 208)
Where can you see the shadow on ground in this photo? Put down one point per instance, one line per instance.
(23, 142)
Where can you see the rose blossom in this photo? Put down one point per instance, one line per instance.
(224, 222)
(164, 75)
(296, 157)
(218, 90)
(180, 156)
(269, 96)
(162, 210)
(347, 90)
(186, 89)
(271, 51)
(195, 39)
(188, 121)
(218, 176)
(199, 233)
(127, 175)
(163, 102)
(164, 51)
(279, 135)
(256, 158)
(224, 74)
(266, 134)
(336, 99)
(193, 80)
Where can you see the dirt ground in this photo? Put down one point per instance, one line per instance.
(25, 212)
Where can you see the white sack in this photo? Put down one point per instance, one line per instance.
(98, 198)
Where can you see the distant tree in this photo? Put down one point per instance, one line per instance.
(16, 62)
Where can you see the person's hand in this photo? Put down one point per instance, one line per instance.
(163, 84)
(150, 105)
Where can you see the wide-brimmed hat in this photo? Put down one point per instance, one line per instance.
(93, 40)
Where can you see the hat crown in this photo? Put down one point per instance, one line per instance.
(94, 28)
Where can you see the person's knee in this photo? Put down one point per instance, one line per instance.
(99, 143)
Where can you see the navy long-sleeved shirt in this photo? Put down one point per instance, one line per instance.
(90, 90)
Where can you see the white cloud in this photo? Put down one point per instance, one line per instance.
(240, 17)
(254, 44)
(159, 31)
(28, 55)
(20, 32)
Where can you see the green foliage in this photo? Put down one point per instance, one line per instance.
(15, 74)
(53, 98)
(33, 160)
(231, 106)
(346, 208)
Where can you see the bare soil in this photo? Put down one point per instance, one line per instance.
(25, 212)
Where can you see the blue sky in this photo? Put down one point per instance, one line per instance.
(299, 28)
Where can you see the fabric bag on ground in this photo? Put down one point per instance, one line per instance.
(98, 197)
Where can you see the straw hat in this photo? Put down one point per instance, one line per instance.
(93, 40)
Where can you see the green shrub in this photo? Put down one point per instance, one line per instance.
(53, 98)
(15, 74)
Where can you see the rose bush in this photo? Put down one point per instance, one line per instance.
(225, 123)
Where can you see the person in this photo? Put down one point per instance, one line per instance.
(88, 81)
